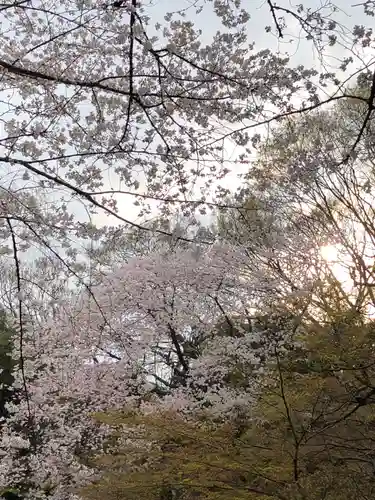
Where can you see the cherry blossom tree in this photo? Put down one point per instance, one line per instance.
(81, 116)
(138, 319)
(104, 104)
(166, 330)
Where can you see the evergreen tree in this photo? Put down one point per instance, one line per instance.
(7, 364)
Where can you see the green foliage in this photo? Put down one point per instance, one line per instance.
(187, 460)
(11, 494)
(7, 363)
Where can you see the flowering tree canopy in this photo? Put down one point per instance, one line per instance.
(103, 102)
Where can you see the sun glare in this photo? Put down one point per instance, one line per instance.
(337, 263)
(329, 253)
